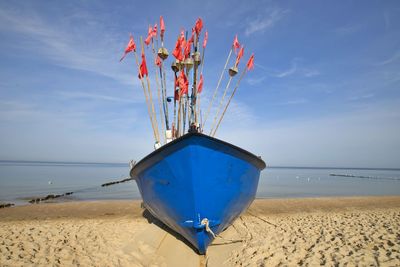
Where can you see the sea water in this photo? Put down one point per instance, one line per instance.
(22, 181)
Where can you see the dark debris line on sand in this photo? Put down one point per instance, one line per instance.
(6, 205)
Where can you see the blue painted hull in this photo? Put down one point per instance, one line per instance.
(197, 177)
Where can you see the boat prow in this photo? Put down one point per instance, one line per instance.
(198, 185)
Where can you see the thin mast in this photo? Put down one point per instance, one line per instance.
(229, 101)
(145, 95)
(150, 98)
(216, 89)
(155, 56)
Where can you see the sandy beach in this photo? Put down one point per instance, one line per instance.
(352, 231)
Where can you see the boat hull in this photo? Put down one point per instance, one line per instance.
(198, 185)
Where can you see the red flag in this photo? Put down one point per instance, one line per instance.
(180, 44)
(200, 85)
(162, 27)
(236, 44)
(177, 53)
(183, 83)
(187, 50)
(192, 36)
(239, 56)
(205, 39)
(183, 40)
(143, 68)
(198, 26)
(149, 35)
(155, 30)
(158, 61)
(129, 48)
(250, 63)
(188, 47)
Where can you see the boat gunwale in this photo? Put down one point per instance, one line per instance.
(253, 159)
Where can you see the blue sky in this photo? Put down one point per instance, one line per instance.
(324, 91)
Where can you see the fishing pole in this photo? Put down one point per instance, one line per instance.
(216, 89)
(155, 56)
(249, 66)
(151, 98)
(145, 95)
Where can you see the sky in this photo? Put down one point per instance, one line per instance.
(325, 90)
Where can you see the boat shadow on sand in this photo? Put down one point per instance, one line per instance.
(153, 220)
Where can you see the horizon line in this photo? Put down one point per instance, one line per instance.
(127, 163)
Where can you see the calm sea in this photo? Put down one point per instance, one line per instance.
(21, 181)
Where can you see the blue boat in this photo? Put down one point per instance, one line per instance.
(198, 185)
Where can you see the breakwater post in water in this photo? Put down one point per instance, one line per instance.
(51, 196)
(117, 182)
(54, 196)
(365, 177)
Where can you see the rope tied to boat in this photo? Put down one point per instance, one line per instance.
(206, 223)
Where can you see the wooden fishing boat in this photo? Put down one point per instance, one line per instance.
(194, 183)
(198, 185)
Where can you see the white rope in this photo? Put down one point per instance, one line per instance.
(206, 222)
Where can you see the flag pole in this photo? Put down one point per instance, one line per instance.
(201, 73)
(164, 93)
(163, 54)
(145, 95)
(151, 98)
(232, 72)
(184, 111)
(193, 104)
(220, 104)
(216, 89)
(158, 92)
(179, 113)
(229, 101)
(174, 122)
(198, 110)
(186, 99)
(178, 123)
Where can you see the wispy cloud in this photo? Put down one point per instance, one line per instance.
(27, 132)
(348, 29)
(311, 72)
(83, 50)
(289, 71)
(284, 142)
(100, 97)
(361, 97)
(238, 113)
(295, 68)
(10, 110)
(293, 102)
(255, 81)
(265, 21)
(393, 58)
(267, 70)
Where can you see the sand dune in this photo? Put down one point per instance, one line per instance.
(291, 232)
